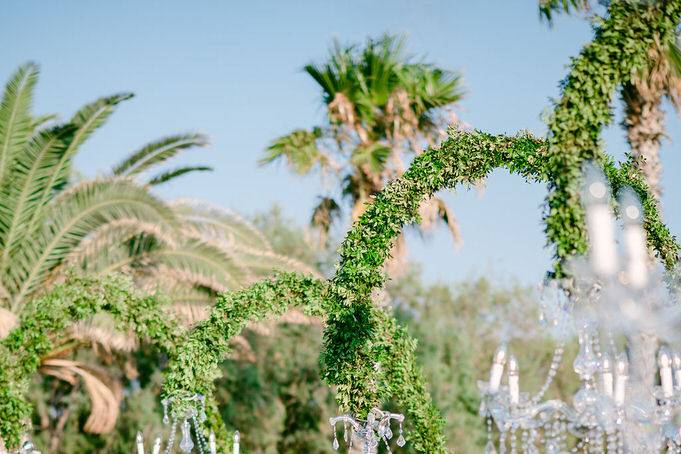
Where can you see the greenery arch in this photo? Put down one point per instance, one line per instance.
(367, 356)
(76, 299)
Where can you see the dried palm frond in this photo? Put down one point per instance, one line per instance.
(435, 209)
(204, 219)
(100, 330)
(104, 392)
(8, 321)
(324, 215)
(90, 252)
(401, 121)
(241, 350)
(191, 313)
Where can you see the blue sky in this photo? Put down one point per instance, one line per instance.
(232, 70)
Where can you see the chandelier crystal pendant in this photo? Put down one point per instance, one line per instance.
(626, 321)
(370, 431)
(193, 414)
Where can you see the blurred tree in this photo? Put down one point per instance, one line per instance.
(381, 106)
(458, 329)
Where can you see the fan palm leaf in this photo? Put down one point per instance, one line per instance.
(299, 149)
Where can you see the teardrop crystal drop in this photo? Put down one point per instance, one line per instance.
(186, 444)
(388, 433)
(401, 441)
(335, 444)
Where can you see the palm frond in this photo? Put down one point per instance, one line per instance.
(15, 115)
(71, 217)
(547, 8)
(337, 74)
(107, 244)
(157, 152)
(299, 149)
(164, 177)
(200, 258)
(105, 394)
(100, 330)
(88, 119)
(21, 196)
(324, 215)
(41, 121)
(373, 157)
(201, 219)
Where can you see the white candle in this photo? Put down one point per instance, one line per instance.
(140, 443)
(622, 369)
(497, 369)
(157, 446)
(513, 380)
(236, 443)
(606, 370)
(665, 362)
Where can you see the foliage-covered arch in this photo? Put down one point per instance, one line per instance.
(366, 355)
(76, 299)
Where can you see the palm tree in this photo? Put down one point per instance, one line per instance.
(381, 107)
(644, 119)
(51, 222)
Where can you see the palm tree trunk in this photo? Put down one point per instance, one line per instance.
(644, 123)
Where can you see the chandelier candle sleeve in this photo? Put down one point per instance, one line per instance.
(601, 228)
(513, 380)
(497, 369)
(237, 438)
(140, 443)
(665, 363)
(676, 362)
(157, 446)
(635, 241)
(607, 378)
(621, 379)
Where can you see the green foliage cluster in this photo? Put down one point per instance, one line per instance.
(618, 51)
(76, 299)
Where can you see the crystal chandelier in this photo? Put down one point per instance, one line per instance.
(27, 447)
(194, 414)
(626, 322)
(368, 432)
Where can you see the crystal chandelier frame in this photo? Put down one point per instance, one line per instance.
(606, 304)
(371, 430)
